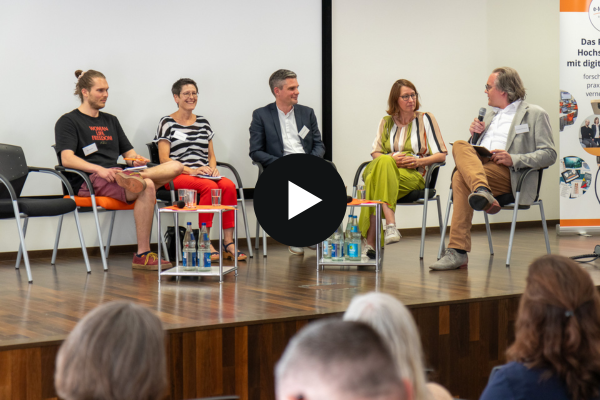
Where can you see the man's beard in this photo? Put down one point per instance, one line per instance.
(97, 105)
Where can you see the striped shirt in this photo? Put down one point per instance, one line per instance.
(189, 144)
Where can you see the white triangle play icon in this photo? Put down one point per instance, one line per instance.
(299, 200)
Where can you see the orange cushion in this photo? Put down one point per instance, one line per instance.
(107, 203)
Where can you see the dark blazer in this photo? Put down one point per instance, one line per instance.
(266, 142)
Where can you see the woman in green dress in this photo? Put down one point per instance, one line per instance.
(407, 142)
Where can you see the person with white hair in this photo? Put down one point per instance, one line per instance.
(338, 360)
(394, 323)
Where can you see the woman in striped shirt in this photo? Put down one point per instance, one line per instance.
(407, 142)
(187, 138)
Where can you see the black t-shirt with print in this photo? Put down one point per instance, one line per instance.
(76, 130)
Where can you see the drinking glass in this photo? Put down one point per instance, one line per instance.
(190, 198)
(181, 193)
(360, 192)
(215, 195)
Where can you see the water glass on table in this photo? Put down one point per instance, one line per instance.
(360, 192)
(215, 195)
(190, 198)
(181, 193)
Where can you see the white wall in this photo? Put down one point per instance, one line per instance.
(229, 48)
(448, 51)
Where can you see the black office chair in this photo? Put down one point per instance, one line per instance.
(414, 198)
(507, 201)
(170, 195)
(13, 174)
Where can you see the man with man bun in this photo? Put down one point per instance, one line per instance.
(92, 141)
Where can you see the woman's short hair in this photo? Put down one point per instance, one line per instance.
(558, 325)
(85, 80)
(393, 107)
(395, 324)
(116, 352)
(509, 81)
(177, 86)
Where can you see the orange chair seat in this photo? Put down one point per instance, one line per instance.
(108, 203)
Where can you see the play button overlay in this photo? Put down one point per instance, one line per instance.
(300, 200)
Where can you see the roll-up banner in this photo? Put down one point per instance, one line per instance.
(579, 158)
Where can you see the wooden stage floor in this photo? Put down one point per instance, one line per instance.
(233, 332)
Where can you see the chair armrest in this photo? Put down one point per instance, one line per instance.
(54, 173)
(430, 171)
(358, 171)
(82, 174)
(260, 167)
(524, 175)
(11, 190)
(232, 169)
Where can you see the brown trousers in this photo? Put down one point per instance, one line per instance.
(472, 172)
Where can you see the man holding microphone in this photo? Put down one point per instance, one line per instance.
(519, 136)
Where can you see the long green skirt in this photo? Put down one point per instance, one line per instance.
(386, 182)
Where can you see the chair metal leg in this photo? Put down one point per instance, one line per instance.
(443, 238)
(544, 226)
(489, 233)
(158, 233)
(512, 229)
(264, 235)
(257, 237)
(100, 244)
(22, 239)
(110, 231)
(245, 216)
(60, 220)
(83, 248)
(439, 209)
(424, 223)
(20, 254)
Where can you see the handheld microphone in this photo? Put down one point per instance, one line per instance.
(480, 118)
(180, 204)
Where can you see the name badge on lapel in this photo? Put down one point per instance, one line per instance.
(524, 128)
(303, 132)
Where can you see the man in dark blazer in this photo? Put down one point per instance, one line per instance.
(284, 127)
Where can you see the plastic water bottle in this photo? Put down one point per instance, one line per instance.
(204, 249)
(355, 241)
(347, 236)
(337, 245)
(190, 262)
(327, 247)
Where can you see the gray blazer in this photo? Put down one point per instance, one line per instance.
(266, 142)
(533, 149)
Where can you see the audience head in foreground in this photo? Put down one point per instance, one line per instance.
(116, 352)
(556, 353)
(337, 360)
(396, 326)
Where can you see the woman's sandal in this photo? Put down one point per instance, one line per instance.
(214, 256)
(229, 256)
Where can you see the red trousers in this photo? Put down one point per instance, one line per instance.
(203, 187)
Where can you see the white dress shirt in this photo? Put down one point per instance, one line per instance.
(496, 136)
(289, 133)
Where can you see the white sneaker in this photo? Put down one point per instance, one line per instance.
(297, 251)
(392, 235)
(367, 250)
